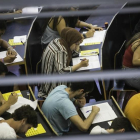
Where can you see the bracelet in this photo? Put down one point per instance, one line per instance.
(84, 35)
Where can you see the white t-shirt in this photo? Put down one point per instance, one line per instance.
(98, 130)
(6, 132)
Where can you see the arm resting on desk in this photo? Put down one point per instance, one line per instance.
(84, 125)
(4, 44)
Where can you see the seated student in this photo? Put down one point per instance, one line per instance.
(5, 105)
(21, 120)
(11, 54)
(132, 110)
(131, 59)
(119, 125)
(4, 73)
(60, 110)
(57, 57)
(57, 24)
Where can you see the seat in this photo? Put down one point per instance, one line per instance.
(119, 86)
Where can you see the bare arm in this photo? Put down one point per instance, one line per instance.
(4, 44)
(136, 57)
(84, 125)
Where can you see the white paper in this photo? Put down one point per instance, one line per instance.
(106, 113)
(30, 10)
(18, 59)
(20, 102)
(93, 62)
(97, 37)
(20, 39)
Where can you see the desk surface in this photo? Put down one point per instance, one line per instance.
(17, 28)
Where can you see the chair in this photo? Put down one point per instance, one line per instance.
(119, 85)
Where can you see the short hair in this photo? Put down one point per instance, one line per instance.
(120, 123)
(3, 68)
(27, 112)
(2, 25)
(88, 86)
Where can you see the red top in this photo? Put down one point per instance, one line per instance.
(128, 57)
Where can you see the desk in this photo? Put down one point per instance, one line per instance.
(17, 28)
(112, 102)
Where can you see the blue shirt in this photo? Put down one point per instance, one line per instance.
(58, 108)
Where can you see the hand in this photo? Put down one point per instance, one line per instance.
(9, 58)
(81, 102)
(95, 27)
(95, 109)
(12, 99)
(84, 62)
(11, 52)
(90, 33)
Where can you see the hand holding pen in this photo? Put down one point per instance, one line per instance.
(12, 99)
(84, 62)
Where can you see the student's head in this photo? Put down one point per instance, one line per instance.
(26, 118)
(2, 27)
(71, 40)
(82, 88)
(134, 38)
(3, 69)
(121, 124)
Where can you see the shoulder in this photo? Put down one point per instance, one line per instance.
(7, 132)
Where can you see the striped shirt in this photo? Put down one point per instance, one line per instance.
(54, 61)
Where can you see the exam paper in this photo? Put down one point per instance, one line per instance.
(18, 59)
(19, 39)
(97, 37)
(93, 62)
(20, 102)
(106, 113)
(30, 10)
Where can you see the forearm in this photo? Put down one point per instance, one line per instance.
(76, 67)
(3, 108)
(89, 120)
(82, 24)
(4, 44)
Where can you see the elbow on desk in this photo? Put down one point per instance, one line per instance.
(83, 129)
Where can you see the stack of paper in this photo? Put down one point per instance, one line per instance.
(18, 59)
(93, 62)
(96, 39)
(106, 113)
(89, 52)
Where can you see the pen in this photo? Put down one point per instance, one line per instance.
(12, 94)
(88, 111)
(22, 42)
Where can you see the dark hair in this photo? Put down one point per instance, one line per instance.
(120, 123)
(27, 112)
(3, 68)
(70, 20)
(88, 86)
(2, 25)
(134, 38)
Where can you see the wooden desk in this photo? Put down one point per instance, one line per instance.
(17, 28)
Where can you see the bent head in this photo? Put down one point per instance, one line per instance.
(26, 118)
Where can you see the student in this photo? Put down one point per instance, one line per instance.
(5, 105)
(57, 57)
(60, 110)
(21, 120)
(4, 73)
(131, 59)
(57, 24)
(11, 54)
(132, 110)
(119, 125)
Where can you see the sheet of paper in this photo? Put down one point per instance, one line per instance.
(106, 113)
(97, 37)
(18, 59)
(19, 39)
(22, 101)
(30, 10)
(11, 42)
(93, 62)
(89, 52)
